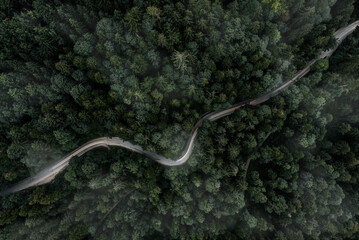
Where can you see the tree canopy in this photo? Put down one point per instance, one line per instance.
(146, 71)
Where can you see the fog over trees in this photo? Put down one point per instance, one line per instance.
(146, 71)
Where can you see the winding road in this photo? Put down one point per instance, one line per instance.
(48, 174)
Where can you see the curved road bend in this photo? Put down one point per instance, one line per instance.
(48, 174)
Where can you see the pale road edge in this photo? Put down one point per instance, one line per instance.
(48, 174)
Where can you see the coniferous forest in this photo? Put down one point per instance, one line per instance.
(146, 71)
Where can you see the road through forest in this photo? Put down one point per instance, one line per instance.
(48, 174)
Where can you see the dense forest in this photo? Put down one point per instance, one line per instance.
(146, 71)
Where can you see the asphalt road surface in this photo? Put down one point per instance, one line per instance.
(48, 174)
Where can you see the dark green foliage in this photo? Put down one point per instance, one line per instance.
(146, 71)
